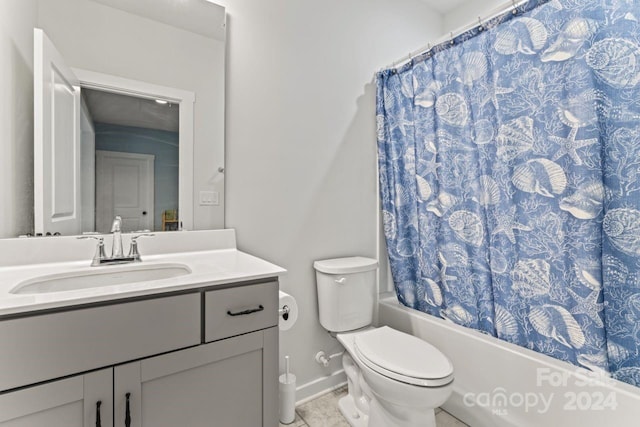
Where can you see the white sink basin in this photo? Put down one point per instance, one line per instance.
(100, 276)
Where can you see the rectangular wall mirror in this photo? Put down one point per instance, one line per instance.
(128, 115)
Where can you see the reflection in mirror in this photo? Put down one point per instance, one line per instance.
(162, 43)
(129, 162)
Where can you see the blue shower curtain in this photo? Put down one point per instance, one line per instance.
(509, 166)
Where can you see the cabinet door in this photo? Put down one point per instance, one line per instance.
(72, 402)
(217, 384)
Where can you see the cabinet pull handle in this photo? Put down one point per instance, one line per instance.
(98, 421)
(242, 313)
(127, 413)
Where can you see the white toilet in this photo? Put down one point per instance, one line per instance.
(394, 379)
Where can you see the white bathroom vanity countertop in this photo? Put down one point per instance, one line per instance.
(208, 269)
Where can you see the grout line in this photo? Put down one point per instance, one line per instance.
(454, 417)
(302, 418)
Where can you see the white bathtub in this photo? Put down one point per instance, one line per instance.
(500, 384)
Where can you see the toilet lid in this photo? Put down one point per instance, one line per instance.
(403, 357)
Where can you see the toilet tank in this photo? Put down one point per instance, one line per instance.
(346, 292)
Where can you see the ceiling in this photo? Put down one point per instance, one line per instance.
(116, 109)
(446, 6)
(198, 16)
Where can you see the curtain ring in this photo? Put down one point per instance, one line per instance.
(429, 53)
(515, 8)
(480, 26)
(451, 39)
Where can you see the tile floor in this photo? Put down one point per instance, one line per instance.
(323, 412)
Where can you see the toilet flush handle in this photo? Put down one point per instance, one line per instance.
(341, 280)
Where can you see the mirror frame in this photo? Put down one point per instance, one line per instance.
(185, 99)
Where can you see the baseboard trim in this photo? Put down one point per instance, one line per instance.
(320, 386)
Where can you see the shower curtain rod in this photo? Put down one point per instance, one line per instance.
(511, 5)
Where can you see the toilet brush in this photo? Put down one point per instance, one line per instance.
(287, 394)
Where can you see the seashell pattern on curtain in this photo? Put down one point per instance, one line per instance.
(510, 181)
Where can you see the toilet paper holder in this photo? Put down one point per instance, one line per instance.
(287, 311)
(284, 312)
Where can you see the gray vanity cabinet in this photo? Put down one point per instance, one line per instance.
(54, 368)
(71, 402)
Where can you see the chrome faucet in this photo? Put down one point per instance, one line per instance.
(133, 249)
(99, 257)
(116, 228)
(117, 254)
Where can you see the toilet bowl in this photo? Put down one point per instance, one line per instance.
(406, 379)
(394, 379)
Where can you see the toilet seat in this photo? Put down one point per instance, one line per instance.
(417, 363)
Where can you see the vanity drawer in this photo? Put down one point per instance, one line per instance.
(241, 309)
(47, 346)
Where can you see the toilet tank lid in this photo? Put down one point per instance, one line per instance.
(356, 264)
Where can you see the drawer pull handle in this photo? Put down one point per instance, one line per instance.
(98, 421)
(127, 413)
(242, 313)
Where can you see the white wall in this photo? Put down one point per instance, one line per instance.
(99, 38)
(301, 140)
(468, 13)
(17, 20)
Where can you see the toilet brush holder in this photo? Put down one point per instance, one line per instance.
(287, 385)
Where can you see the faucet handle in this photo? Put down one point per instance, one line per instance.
(100, 240)
(135, 238)
(133, 250)
(89, 236)
(100, 254)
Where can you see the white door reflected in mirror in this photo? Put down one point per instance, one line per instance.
(56, 141)
(124, 187)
